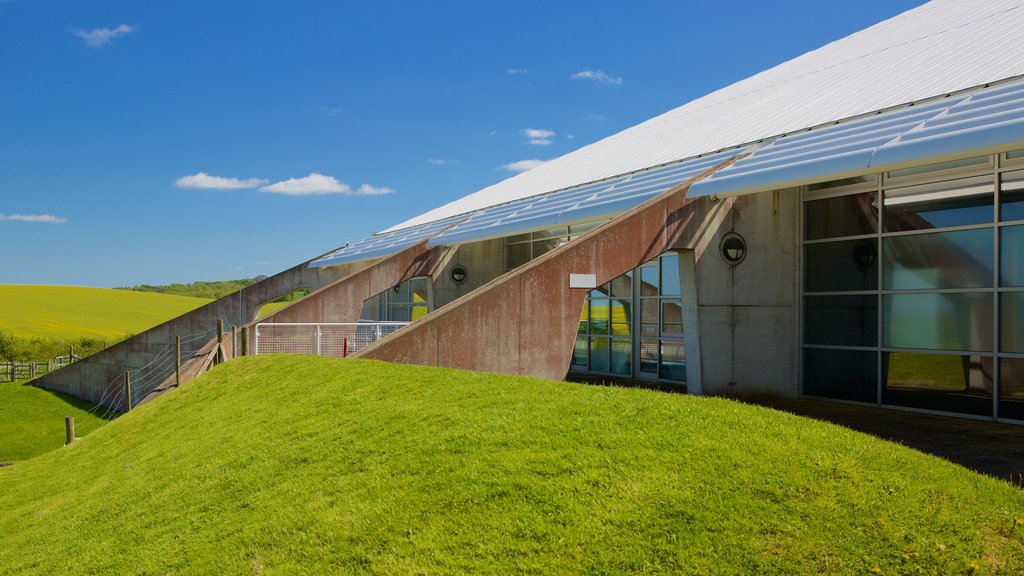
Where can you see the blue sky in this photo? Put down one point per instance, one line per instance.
(157, 142)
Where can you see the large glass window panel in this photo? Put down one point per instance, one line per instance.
(545, 246)
(954, 203)
(649, 311)
(1011, 326)
(1012, 196)
(649, 281)
(648, 355)
(841, 374)
(517, 255)
(621, 356)
(1011, 256)
(851, 215)
(673, 361)
(841, 320)
(842, 182)
(952, 164)
(582, 228)
(670, 275)
(552, 233)
(1011, 388)
(622, 286)
(960, 259)
(671, 317)
(841, 266)
(599, 355)
(949, 321)
(580, 352)
(948, 383)
(599, 316)
(1015, 154)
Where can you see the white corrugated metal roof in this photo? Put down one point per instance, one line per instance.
(938, 48)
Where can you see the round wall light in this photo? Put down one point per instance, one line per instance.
(733, 248)
(458, 274)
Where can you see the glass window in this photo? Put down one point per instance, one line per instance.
(670, 275)
(960, 259)
(842, 182)
(599, 355)
(975, 161)
(649, 281)
(579, 352)
(1012, 188)
(552, 233)
(622, 286)
(517, 255)
(851, 215)
(1011, 256)
(673, 361)
(1011, 388)
(649, 356)
(841, 320)
(945, 382)
(621, 317)
(581, 228)
(599, 320)
(622, 357)
(841, 374)
(671, 317)
(1015, 154)
(957, 321)
(545, 246)
(841, 266)
(584, 318)
(954, 203)
(1011, 327)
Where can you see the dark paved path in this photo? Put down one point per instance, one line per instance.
(987, 447)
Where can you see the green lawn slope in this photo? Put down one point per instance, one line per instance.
(61, 312)
(32, 420)
(305, 465)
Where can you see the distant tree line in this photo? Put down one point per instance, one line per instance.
(211, 290)
(21, 349)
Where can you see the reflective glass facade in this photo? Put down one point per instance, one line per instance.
(913, 288)
(406, 302)
(633, 326)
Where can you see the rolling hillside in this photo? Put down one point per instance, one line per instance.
(60, 312)
(290, 464)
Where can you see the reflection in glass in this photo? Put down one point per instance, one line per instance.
(949, 321)
(671, 317)
(649, 281)
(599, 322)
(851, 215)
(842, 182)
(841, 374)
(954, 203)
(841, 320)
(960, 259)
(517, 255)
(1011, 328)
(599, 355)
(1011, 388)
(584, 318)
(622, 357)
(1015, 154)
(579, 352)
(582, 228)
(1012, 196)
(673, 361)
(1011, 256)
(841, 266)
(622, 286)
(552, 233)
(545, 246)
(670, 275)
(649, 356)
(649, 311)
(975, 161)
(945, 382)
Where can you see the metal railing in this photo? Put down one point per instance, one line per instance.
(337, 340)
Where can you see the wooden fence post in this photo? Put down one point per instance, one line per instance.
(69, 429)
(220, 341)
(128, 390)
(245, 341)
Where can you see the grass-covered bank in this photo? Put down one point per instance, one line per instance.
(289, 465)
(32, 420)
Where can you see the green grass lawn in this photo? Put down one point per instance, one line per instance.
(305, 465)
(32, 420)
(74, 312)
(271, 307)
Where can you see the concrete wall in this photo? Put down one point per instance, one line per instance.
(96, 378)
(748, 313)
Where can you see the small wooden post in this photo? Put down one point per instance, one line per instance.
(177, 361)
(344, 347)
(128, 390)
(69, 429)
(71, 353)
(220, 341)
(245, 341)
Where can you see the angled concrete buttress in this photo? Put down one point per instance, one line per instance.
(525, 321)
(96, 377)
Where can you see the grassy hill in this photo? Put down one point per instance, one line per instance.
(71, 312)
(286, 465)
(32, 420)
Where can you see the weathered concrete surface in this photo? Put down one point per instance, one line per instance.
(525, 321)
(342, 300)
(96, 378)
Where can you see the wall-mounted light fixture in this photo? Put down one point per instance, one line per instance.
(733, 248)
(458, 274)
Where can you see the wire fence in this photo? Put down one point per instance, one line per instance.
(337, 340)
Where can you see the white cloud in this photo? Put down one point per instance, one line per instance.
(367, 190)
(314, 184)
(34, 218)
(538, 136)
(102, 36)
(437, 161)
(597, 76)
(320, 184)
(517, 71)
(570, 136)
(205, 181)
(522, 165)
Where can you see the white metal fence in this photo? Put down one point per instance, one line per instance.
(326, 339)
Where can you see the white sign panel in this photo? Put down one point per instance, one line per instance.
(582, 280)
